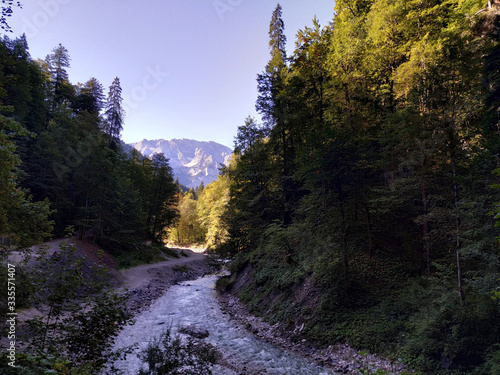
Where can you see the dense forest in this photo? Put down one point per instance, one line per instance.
(200, 216)
(65, 172)
(64, 162)
(363, 208)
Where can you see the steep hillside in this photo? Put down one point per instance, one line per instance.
(192, 161)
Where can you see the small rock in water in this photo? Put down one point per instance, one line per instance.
(194, 331)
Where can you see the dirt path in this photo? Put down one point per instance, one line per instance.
(49, 248)
(144, 284)
(137, 277)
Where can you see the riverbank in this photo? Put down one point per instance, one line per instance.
(144, 284)
(149, 282)
(340, 357)
(192, 309)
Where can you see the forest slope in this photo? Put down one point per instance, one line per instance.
(364, 207)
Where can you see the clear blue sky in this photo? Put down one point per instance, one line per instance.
(187, 67)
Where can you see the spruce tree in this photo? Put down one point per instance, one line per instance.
(90, 97)
(60, 87)
(114, 111)
(270, 82)
(273, 105)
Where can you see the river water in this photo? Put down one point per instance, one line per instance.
(195, 303)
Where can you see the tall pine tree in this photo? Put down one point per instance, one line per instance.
(62, 90)
(114, 111)
(273, 105)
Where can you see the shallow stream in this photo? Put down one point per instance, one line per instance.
(195, 303)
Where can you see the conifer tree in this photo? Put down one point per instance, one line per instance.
(270, 82)
(114, 111)
(90, 97)
(22, 221)
(60, 87)
(162, 198)
(273, 105)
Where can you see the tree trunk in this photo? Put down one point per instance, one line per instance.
(425, 233)
(461, 294)
(370, 230)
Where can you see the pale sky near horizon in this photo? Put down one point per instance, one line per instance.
(187, 68)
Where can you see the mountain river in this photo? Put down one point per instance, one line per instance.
(195, 303)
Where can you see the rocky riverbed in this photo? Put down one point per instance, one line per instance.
(153, 282)
(146, 284)
(192, 310)
(340, 357)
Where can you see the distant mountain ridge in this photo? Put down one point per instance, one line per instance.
(192, 161)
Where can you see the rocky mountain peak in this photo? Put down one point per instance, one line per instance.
(192, 161)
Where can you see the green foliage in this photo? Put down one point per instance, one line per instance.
(187, 230)
(131, 255)
(83, 315)
(38, 364)
(25, 286)
(370, 178)
(22, 220)
(492, 365)
(281, 268)
(114, 112)
(167, 354)
(72, 157)
(210, 207)
(200, 215)
(496, 294)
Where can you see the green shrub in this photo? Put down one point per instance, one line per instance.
(41, 364)
(246, 295)
(224, 284)
(167, 355)
(136, 255)
(84, 315)
(182, 269)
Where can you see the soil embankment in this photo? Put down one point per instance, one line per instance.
(340, 357)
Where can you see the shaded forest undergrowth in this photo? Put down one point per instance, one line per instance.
(418, 321)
